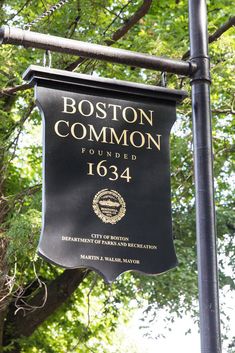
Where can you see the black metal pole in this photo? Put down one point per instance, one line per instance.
(203, 165)
(11, 35)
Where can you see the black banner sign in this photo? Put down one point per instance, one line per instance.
(106, 184)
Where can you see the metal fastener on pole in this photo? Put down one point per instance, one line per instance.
(11, 35)
(204, 188)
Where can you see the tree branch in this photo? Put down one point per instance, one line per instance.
(223, 111)
(216, 35)
(59, 290)
(141, 12)
(117, 16)
(18, 12)
(27, 192)
(221, 30)
(19, 124)
(11, 90)
(230, 110)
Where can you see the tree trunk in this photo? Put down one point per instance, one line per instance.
(2, 319)
(58, 291)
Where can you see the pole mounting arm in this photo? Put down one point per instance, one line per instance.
(16, 36)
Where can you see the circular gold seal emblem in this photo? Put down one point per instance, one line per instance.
(109, 206)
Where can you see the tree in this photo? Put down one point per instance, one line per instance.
(37, 297)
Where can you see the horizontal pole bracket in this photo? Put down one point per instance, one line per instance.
(16, 36)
